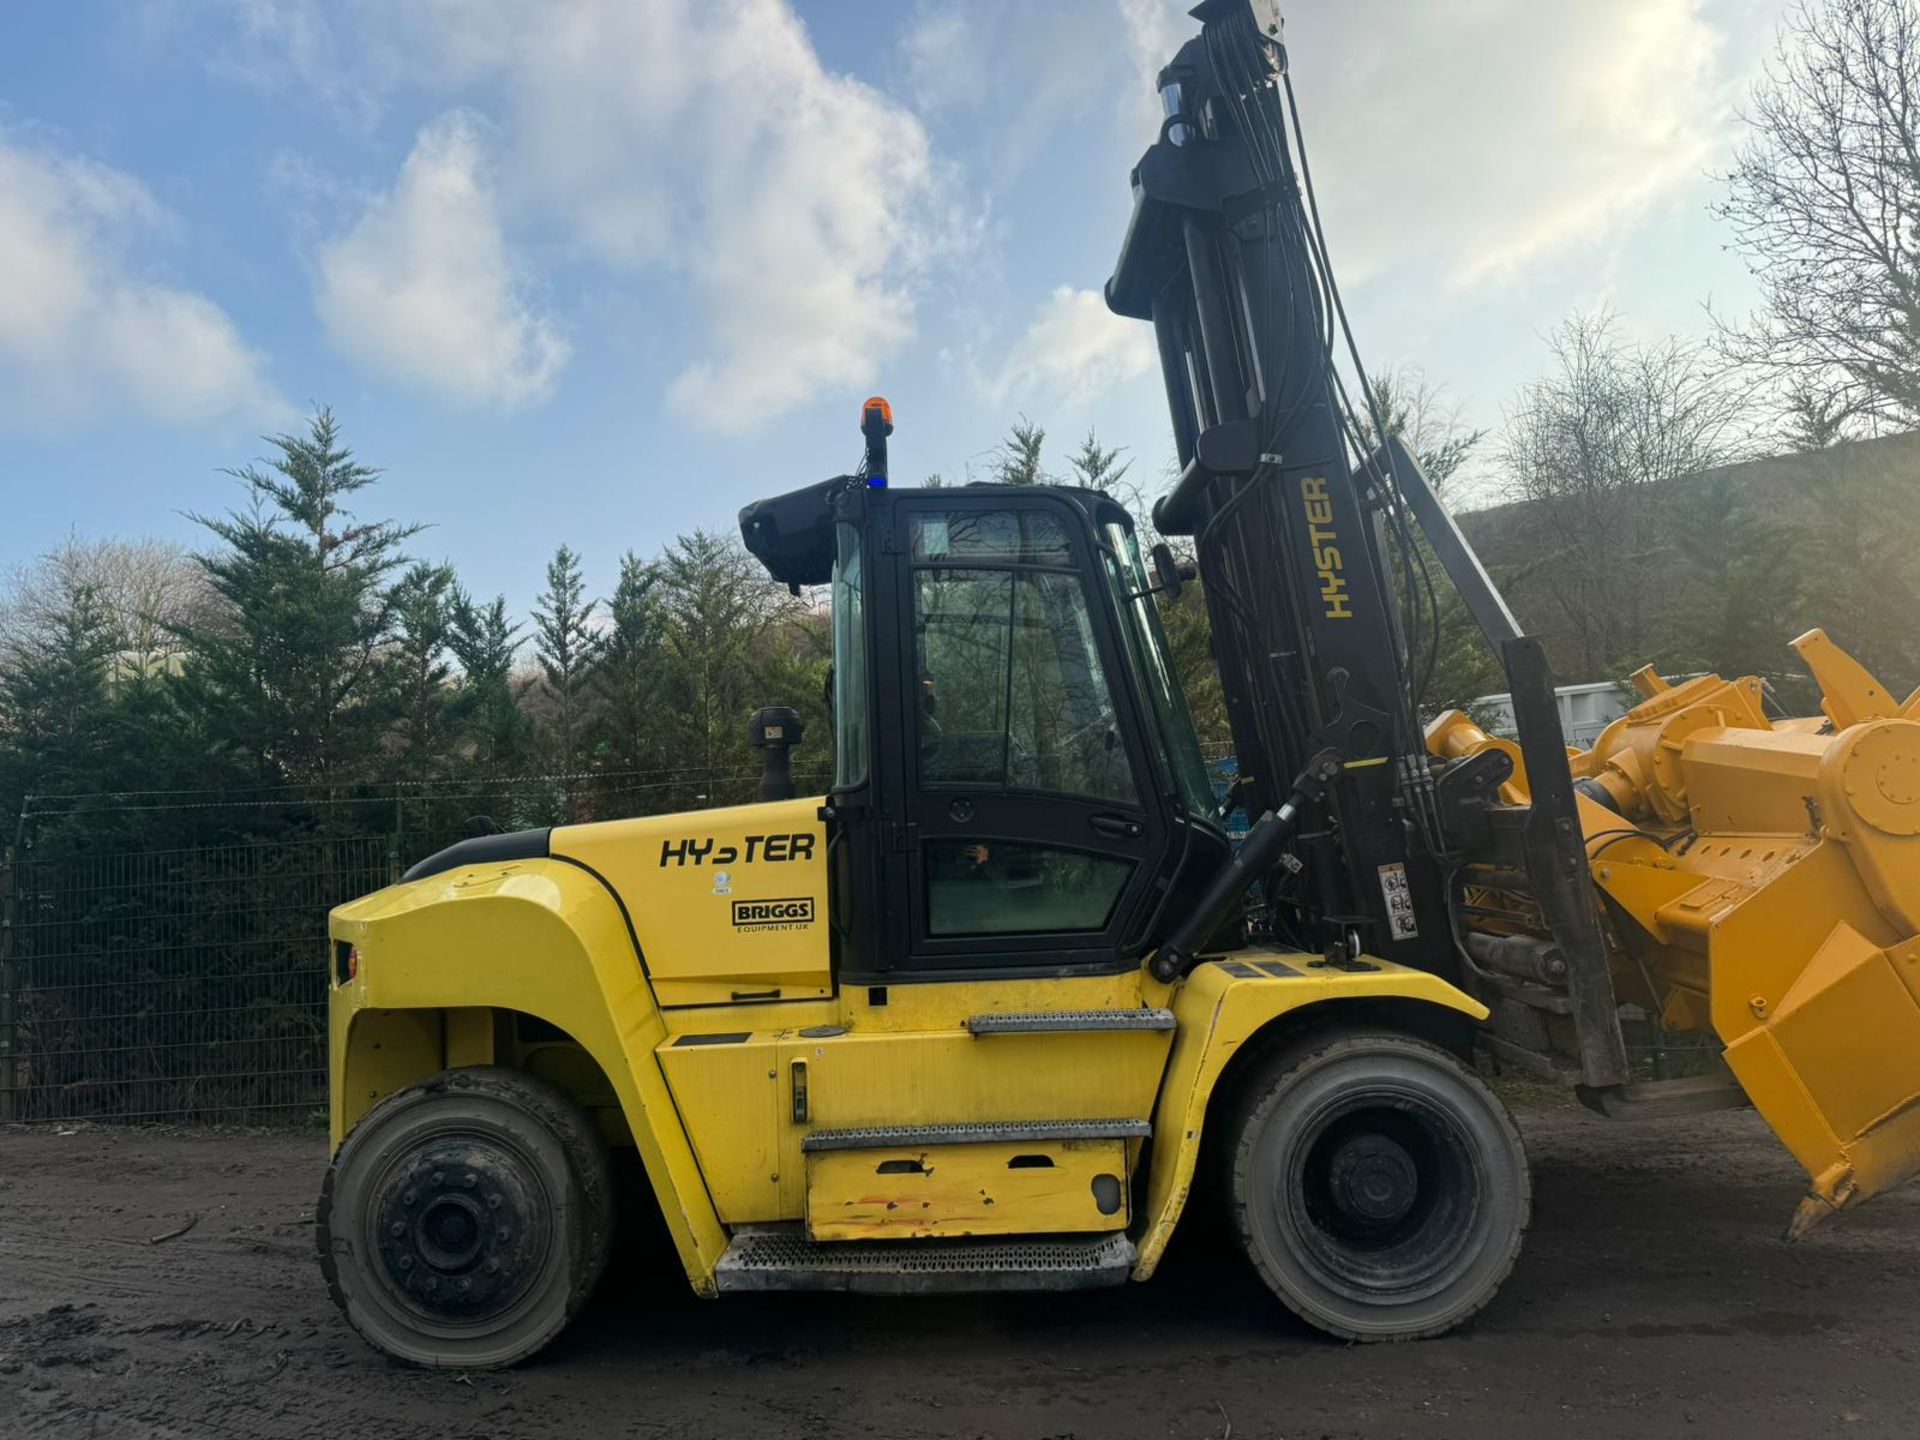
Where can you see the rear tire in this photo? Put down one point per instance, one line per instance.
(1379, 1187)
(466, 1220)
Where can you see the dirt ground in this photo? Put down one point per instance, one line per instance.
(1655, 1298)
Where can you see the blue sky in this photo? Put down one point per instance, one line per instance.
(601, 272)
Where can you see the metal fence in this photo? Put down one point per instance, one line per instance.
(184, 979)
(181, 985)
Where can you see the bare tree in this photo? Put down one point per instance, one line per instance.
(146, 590)
(1824, 199)
(1593, 443)
(1455, 664)
(1420, 411)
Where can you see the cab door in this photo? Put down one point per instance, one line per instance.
(1028, 832)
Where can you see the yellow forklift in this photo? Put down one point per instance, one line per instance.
(976, 1017)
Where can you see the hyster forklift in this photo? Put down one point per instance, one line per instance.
(977, 1017)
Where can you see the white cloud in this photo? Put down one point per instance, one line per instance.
(82, 331)
(422, 288)
(1074, 349)
(1487, 137)
(291, 48)
(992, 72)
(703, 141)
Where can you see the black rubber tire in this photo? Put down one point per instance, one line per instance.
(1379, 1187)
(486, 1181)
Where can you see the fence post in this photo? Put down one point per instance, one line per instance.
(394, 836)
(10, 1097)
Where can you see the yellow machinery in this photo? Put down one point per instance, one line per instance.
(1762, 881)
(984, 1013)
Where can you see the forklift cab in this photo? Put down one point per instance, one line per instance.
(1017, 786)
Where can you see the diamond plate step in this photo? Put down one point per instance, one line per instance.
(882, 1137)
(770, 1258)
(1043, 1021)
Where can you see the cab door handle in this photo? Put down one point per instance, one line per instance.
(1117, 826)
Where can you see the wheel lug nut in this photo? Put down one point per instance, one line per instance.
(505, 1233)
(439, 1179)
(408, 1198)
(469, 1180)
(493, 1267)
(465, 1286)
(406, 1262)
(493, 1202)
(397, 1229)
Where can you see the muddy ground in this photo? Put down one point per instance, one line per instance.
(1655, 1298)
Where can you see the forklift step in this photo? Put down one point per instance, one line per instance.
(1043, 1021)
(782, 1258)
(882, 1137)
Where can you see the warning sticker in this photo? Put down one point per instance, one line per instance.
(1399, 897)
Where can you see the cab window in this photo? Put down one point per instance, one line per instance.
(1013, 699)
(1012, 693)
(851, 726)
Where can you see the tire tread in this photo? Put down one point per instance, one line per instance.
(1274, 1077)
(543, 1102)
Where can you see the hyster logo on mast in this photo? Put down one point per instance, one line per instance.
(1321, 538)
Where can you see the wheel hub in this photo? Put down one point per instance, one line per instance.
(1372, 1179)
(1385, 1193)
(462, 1227)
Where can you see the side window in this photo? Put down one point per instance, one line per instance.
(962, 625)
(851, 745)
(975, 888)
(1063, 733)
(1012, 691)
(1013, 697)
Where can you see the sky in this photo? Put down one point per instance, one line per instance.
(602, 271)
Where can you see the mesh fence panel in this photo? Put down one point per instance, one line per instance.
(178, 984)
(187, 982)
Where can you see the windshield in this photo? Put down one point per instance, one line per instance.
(850, 723)
(1147, 648)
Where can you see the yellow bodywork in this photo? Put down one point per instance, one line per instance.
(690, 1005)
(911, 1192)
(1768, 877)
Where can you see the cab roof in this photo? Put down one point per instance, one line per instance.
(792, 534)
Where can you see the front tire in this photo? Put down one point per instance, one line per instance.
(466, 1220)
(1377, 1184)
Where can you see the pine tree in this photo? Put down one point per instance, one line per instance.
(420, 672)
(1017, 460)
(487, 644)
(288, 679)
(631, 679)
(1099, 467)
(716, 602)
(54, 704)
(567, 647)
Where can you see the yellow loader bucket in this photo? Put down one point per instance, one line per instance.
(1827, 1042)
(1763, 880)
(1832, 1068)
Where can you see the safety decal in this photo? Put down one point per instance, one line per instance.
(1399, 897)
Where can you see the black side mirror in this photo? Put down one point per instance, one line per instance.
(1169, 575)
